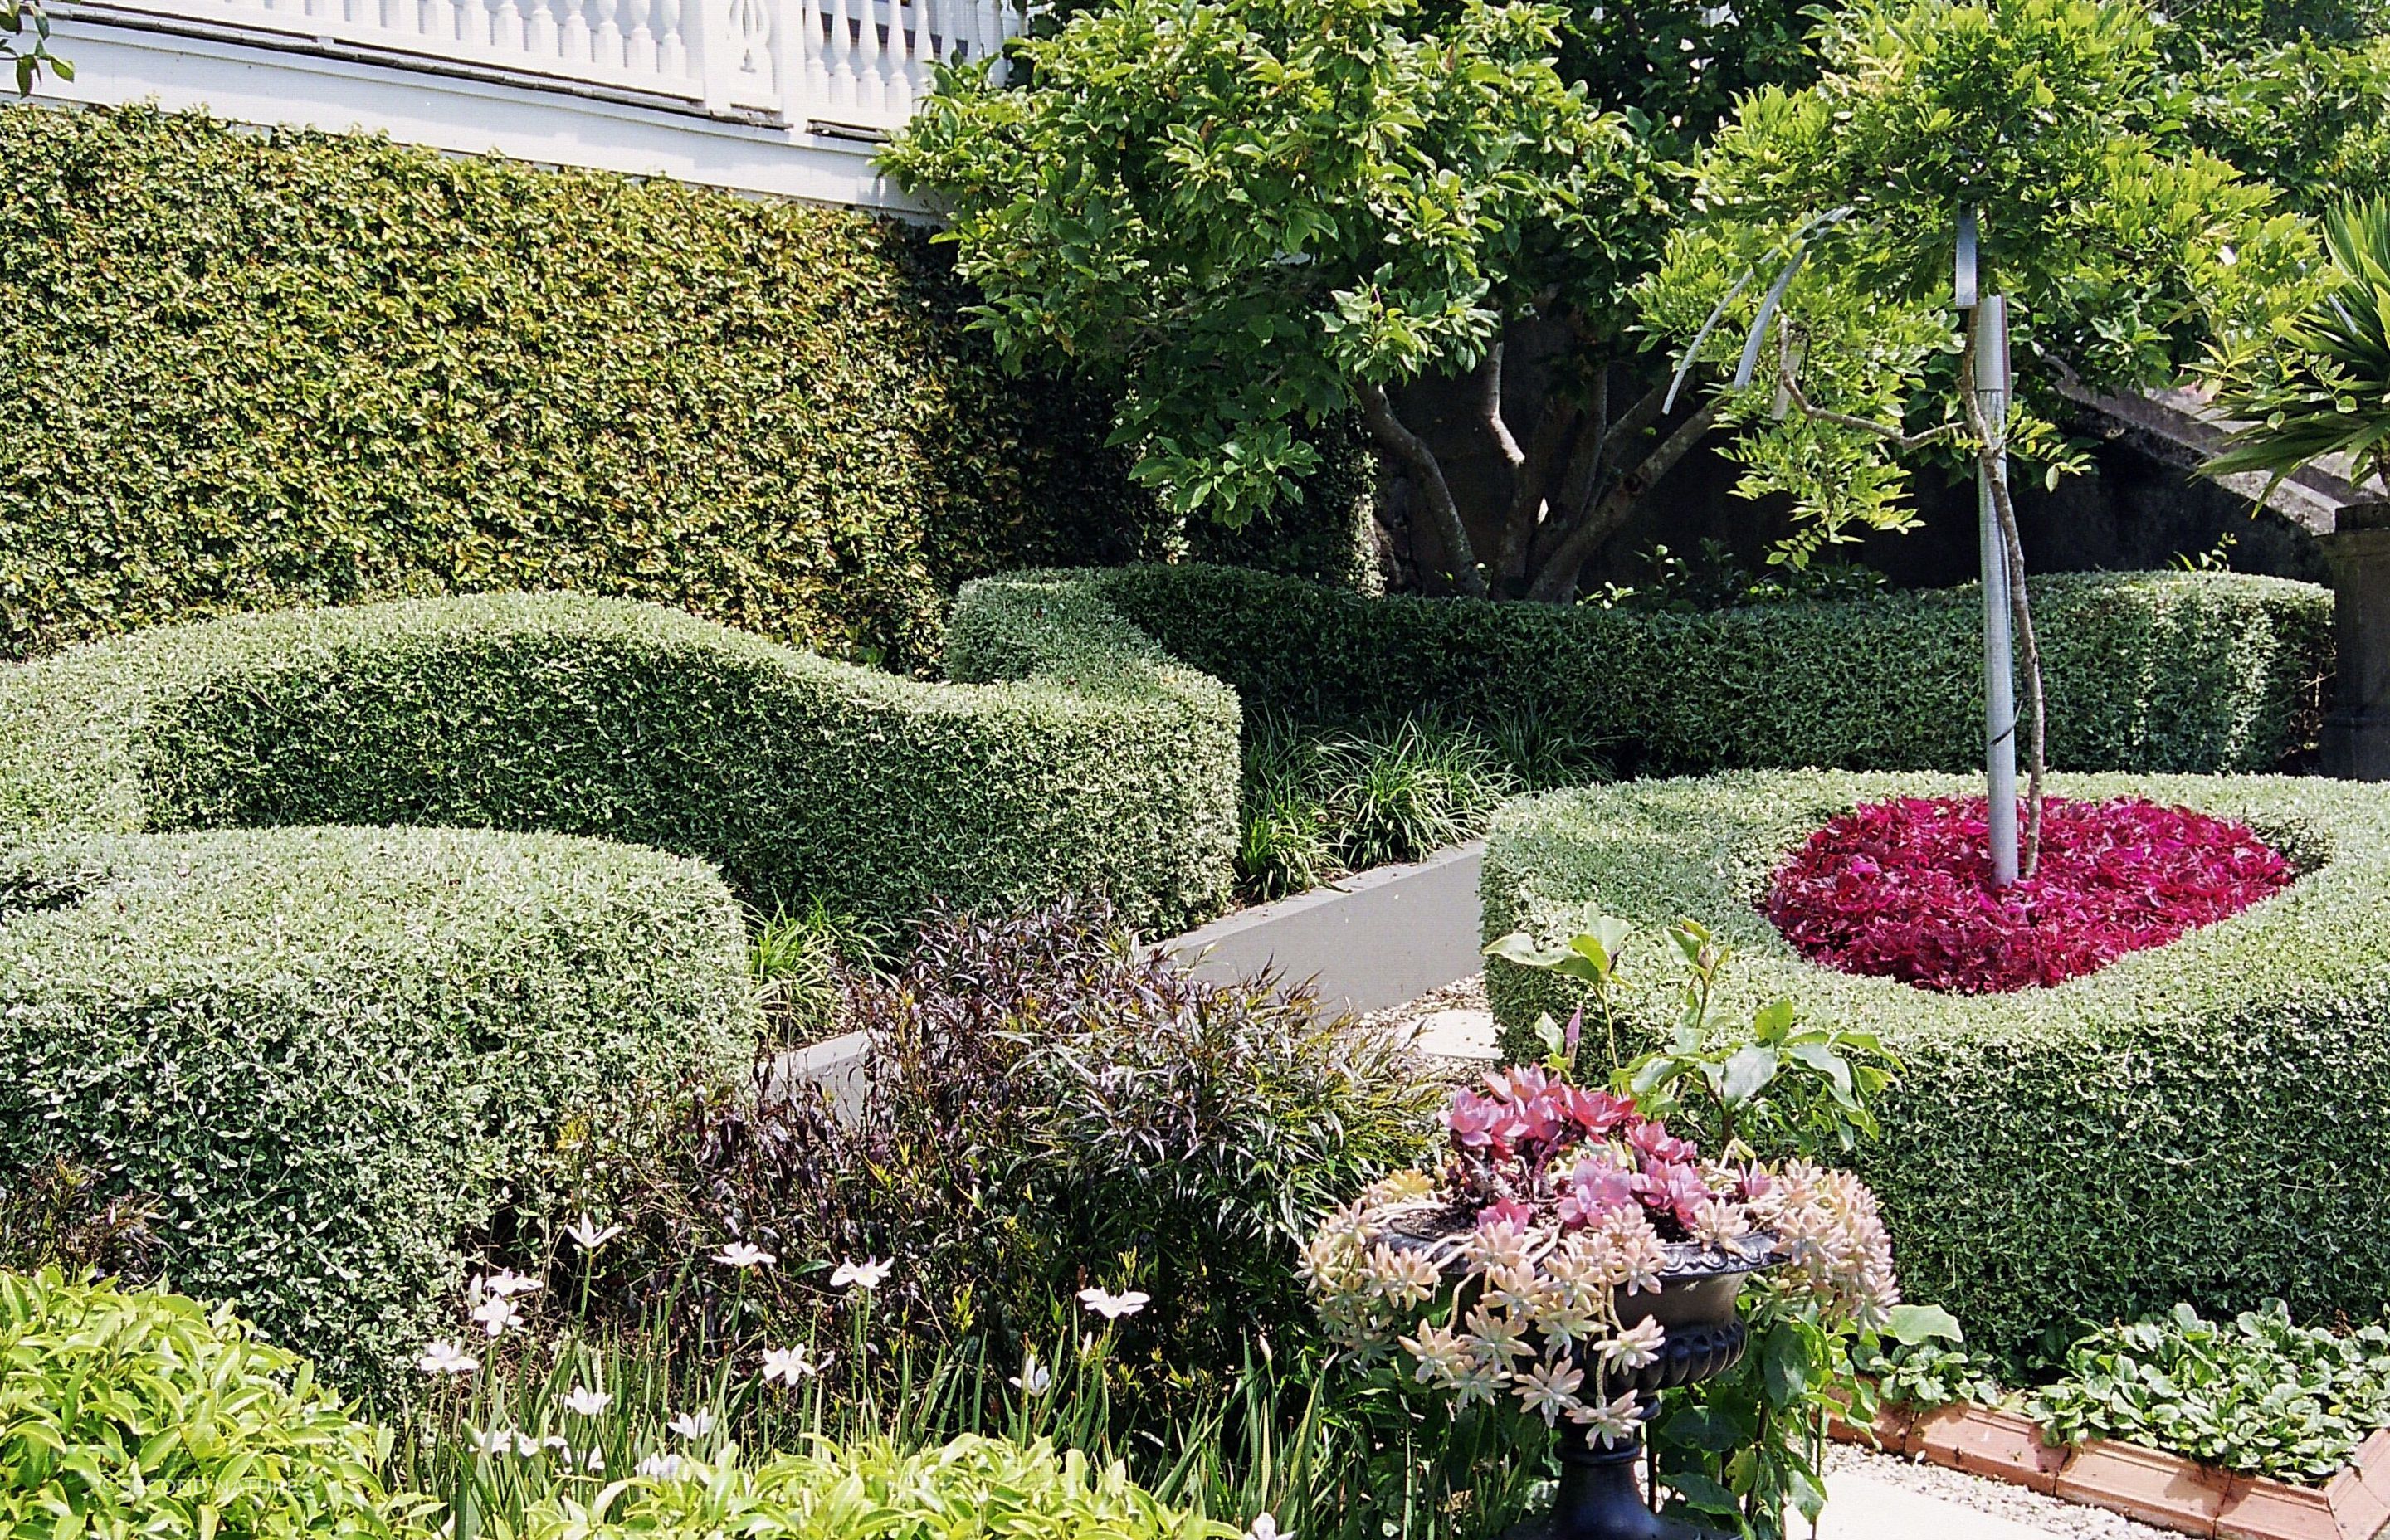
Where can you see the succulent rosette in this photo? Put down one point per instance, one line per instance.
(1528, 1265)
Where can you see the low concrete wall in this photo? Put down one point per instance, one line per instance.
(1371, 941)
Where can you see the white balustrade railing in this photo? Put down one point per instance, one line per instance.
(853, 64)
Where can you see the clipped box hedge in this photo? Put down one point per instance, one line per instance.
(330, 1055)
(1084, 761)
(256, 369)
(2145, 670)
(2196, 1122)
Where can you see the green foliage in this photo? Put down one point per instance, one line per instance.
(1319, 802)
(149, 1414)
(2170, 1127)
(2255, 1394)
(2163, 671)
(878, 1492)
(1930, 1374)
(253, 370)
(2323, 386)
(27, 64)
(329, 1057)
(1091, 762)
(2120, 250)
(2304, 115)
(1249, 211)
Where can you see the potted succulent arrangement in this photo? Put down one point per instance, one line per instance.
(1572, 1258)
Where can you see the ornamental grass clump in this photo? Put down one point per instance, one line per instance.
(1527, 1266)
(1902, 889)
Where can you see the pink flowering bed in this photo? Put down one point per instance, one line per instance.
(1903, 889)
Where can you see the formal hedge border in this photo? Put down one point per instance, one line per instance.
(328, 1056)
(1084, 759)
(2196, 1122)
(248, 370)
(2146, 670)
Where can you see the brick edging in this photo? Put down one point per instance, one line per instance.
(2147, 1485)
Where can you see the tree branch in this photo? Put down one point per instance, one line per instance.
(1527, 486)
(1489, 378)
(1555, 580)
(1388, 428)
(1902, 443)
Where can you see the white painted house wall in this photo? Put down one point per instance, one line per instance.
(787, 97)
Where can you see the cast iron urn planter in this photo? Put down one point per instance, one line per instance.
(1599, 1496)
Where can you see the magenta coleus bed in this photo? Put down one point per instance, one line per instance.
(1903, 889)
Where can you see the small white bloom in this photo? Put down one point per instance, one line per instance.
(589, 1237)
(693, 1426)
(1265, 1527)
(867, 1274)
(447, 1359)
(663, 1466)
(503, 1284)
(1034, 1377)
(497, 1441)
(593, 1461)
(741, 1255)
(1111, 1306)
(788, 1365)
(497, 1315)
(586, 1401)
(526, 1446)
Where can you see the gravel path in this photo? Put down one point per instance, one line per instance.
(2001, 1499)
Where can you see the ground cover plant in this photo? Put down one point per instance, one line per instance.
(1904, 888)
(2216, 1079)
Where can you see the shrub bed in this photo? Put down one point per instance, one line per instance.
(2146, 670)
(328, 1056)
(2191, 1121)
(256, 369)
(151, 1414)
(1088, 762)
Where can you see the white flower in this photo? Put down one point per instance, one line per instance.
(585, 1402)
(867, 1274)
(1613, 1423)
(741, 1255)
(1265, 1527)
(589, 1237)
(693, 1426)
(1034, 1377)
(1111, 1307)
(663, 1466)
(526, 1446)
(497, 1441)
(592, 1461)
(788, 1365)
(447, 1359)
(503, 1284)
(1549, 1388)
(1636, 1347)
(497, 1314)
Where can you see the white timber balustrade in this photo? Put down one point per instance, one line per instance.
(833, 67)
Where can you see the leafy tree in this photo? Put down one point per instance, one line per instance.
(2120, 250)
(1250, 215)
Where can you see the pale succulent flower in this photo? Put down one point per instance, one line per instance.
(1609, 1422)
(1548, 1389)
(1636, 1347)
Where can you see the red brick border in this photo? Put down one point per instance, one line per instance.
(2156, 1488)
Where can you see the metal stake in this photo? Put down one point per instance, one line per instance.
(1990, 322)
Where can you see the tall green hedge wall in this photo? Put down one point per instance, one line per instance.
(247, 371)
(2197, 1122)
(2146, 670)
(1078, 759)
